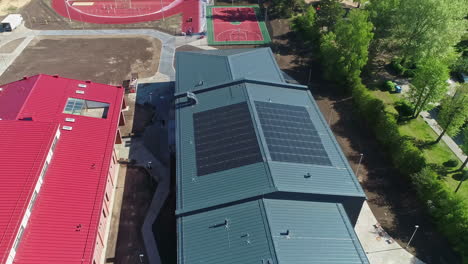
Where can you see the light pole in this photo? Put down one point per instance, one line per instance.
(415, 229)
(359, 165)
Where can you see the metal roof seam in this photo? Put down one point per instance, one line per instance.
(39, 162)
(266, 224)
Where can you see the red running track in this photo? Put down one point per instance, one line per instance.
(126, 11)
(235, 24)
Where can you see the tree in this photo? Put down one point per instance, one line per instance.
(428, 28)
(428, 85)
(382, 14)
(329, 13)
(464, 147)
(353, 36)
(453, 112)
(285, 8)
(306, 25)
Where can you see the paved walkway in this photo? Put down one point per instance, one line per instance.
(430, 120)
(160, 174)
(378, 245)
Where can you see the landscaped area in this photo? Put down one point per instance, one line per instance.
(424, 136)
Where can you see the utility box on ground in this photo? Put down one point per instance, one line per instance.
(11, 22)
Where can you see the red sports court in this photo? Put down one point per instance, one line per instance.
(132, 11)
(236, 25)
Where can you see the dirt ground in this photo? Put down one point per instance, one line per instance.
(133, 196)
(10, 6)
(10, 46)
(390, 196)
(39, 14)
(87, 58)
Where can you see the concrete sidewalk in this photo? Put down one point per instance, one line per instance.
(430, 120)
(380, 248)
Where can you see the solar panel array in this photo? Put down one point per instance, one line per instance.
(225, 139)
(290, 134)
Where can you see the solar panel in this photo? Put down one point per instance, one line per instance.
(290, 134)
(225, 139)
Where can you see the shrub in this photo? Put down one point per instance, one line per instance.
(449, 210)
(451, 163)
(404, 108)
(389, 86)
(397, 67)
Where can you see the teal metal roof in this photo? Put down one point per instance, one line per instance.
(270, 231)
(226, 82)
(201, 69)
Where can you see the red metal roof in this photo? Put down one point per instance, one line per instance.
(74, 186)
(23, 150)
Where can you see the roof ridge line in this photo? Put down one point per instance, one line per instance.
(29, 94)
(243, 80)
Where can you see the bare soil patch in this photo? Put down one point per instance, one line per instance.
(105, 59)
(39, 14)
(11, 46)
(11, 6)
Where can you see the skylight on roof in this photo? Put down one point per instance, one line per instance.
(88, 108)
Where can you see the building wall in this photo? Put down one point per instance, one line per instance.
(105, 215)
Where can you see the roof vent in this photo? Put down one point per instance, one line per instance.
(200, 83)
(307, 175)
(87, 81)
(69, 119)
(25, 77)
(119, 86)
(79, 91)
(285, 233)
(82, 85)
(67, 128)
(267, 261)
(28, 118)
(55, 76)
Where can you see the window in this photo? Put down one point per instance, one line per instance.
(33, 200)
(88, 108)
(18, 238)
(54, 144)
(107, 197)
(44, 170)
(104, 213)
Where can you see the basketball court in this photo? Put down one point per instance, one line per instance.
(131, 11)
(230, 25)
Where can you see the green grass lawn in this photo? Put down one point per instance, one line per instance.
(423, 135)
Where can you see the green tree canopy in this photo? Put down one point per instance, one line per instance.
(429, 84)
(453, 112)
(345, 52)
(329, 12)
(306, 25)
(419, 29)
(285, 8)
